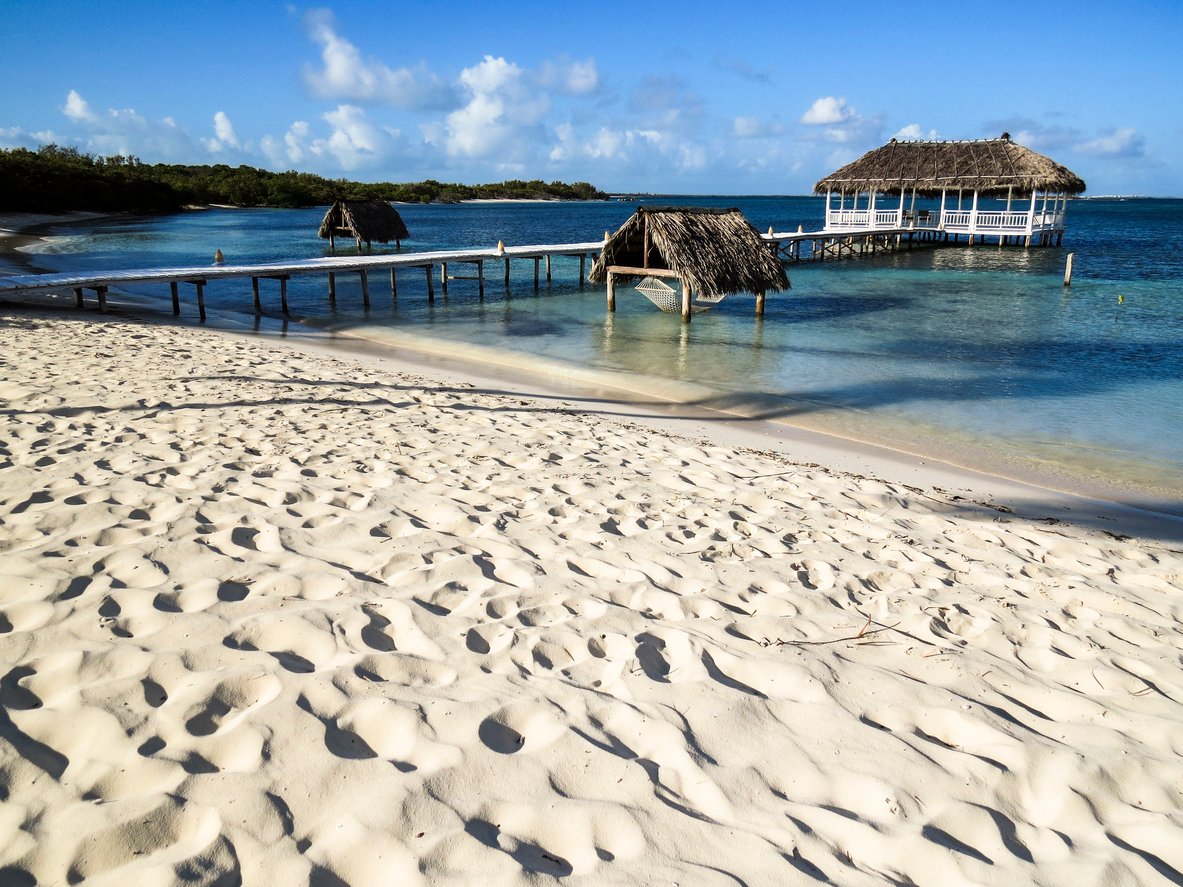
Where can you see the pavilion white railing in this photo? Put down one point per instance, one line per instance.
(957, 221)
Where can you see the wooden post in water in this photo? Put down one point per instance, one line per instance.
(430, 285)
(332, 288)
(582, 261)
(393, 286)
(548, 270)
(102, 294)
(507, 272)
(611, 291)
(255, 293)
(536, 272)
(283, 294)
(480, 276)
(444, 277)
(200, 284)
(685, 302)
(172, 286)
(1068, 269)
(365, 287)
(760, 303)
(78, 303)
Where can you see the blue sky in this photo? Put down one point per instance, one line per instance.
(679, 97)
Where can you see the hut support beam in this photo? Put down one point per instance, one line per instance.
(611, 290)
(172, 286)
(78, 303)
(760, 303)
(686, 313)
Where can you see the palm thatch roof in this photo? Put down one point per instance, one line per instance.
(368, 220)
(985, 165)
(713, 250)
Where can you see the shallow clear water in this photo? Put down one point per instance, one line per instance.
(980, 355)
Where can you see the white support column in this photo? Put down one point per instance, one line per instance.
(973, 215)
(1031, 214)
(899, 222)
(941, 223)
(829, 192)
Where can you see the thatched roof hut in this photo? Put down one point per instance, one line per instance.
(985, 165)
(363, 220)
(712, 251)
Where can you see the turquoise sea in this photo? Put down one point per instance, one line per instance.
(979, 356)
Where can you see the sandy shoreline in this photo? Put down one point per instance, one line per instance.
(278, 614)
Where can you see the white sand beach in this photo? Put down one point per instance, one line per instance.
(273, 615)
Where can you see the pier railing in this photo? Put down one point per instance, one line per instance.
(958, 221)
(863, 219)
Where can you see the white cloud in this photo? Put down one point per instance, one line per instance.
(354, 142)
(346, 75)
(502, 115)
(127, 132)
(224, 129)
(827, 111)
(912, 132)
(754, 128)
(224, 134)
(77, 108)
(1126, 142)
(569, 78)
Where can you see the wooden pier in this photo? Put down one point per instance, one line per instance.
(788, 247)
(199, 276)
(821, 246)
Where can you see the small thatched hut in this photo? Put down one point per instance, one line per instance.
(713, 252)
(995, 169)
(363, 220)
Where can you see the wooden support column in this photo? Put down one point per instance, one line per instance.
(760, 303)
(444, 277)
(102, 294)
(78, 303)
(255, 293)
(507, 272)
(536, 260)
(430, 285)
(172, 286)
(611, 291)
(548, 270)
(393, 286)
(283, 294)
(685, 302)
(365, 287)
(332, 288)
(200, 284)
(582, 260)
(480, 276)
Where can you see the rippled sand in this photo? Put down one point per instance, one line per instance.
(294, 618)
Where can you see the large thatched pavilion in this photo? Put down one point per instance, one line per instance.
(1000, 188)
(712, 252)
(363, 220)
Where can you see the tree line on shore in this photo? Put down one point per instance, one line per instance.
(61, 179)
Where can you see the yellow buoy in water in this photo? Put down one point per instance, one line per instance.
(1120, 299)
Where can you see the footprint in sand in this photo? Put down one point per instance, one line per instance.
(522, 727)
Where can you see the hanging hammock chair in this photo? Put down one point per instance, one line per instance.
(667, 298)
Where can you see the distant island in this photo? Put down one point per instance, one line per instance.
(57, 179)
